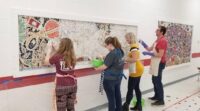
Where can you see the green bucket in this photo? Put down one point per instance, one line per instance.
(134, 101)
(97, 62)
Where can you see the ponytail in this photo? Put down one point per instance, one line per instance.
(114, 41)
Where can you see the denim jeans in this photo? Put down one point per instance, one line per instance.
(113, 93)
(157, 82)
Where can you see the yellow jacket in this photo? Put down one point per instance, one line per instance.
(136, 69)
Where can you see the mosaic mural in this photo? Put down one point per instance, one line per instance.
(179, 38)
(35, 33)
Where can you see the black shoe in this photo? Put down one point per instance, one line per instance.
(137, 108)
(134, 108)
(125, 107)
(158, 103)
(153, 98)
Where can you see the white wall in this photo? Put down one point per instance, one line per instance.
(145, 13)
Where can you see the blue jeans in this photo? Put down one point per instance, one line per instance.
(113, 93)
(157, 82)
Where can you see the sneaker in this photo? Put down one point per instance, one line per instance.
(158, 103)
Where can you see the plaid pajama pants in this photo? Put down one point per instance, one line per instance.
(66, 97)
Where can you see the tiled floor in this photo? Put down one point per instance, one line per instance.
(183, 96)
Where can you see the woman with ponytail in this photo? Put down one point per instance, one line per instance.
(113, 73)
(64, 60)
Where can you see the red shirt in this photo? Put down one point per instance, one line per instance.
(57, 61)
(162, 44)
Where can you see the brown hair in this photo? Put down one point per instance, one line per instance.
(162, 29)
(66, 48)
(114, 41)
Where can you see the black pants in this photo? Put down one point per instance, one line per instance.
(157, 82)
(113, 93)
(134, 84)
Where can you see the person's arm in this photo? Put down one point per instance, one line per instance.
(145, 45)
(155, 54)
(79, 59)
(160, 53)
(133, 58)
(50, 53)
(100, 57)
(161, 49)
(107, 62)
(149, 48)
(103, 67)
(47, 59)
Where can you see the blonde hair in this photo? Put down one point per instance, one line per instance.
(66, 49)
(132, 36)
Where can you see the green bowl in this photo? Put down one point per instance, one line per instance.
(134, 101)
(97, 62)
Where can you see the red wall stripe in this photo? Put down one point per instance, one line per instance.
(9, 82)
(195, 55)
(6, 78)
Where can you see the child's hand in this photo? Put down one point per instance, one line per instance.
(100, 57)
(96, 69)
(126, 59)
(52, 49)
(75, 101)
(103, 67)
(87, 58)
(83, 59)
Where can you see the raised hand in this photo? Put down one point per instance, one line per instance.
(143, 43)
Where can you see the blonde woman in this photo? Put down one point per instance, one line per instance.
(136, 69)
